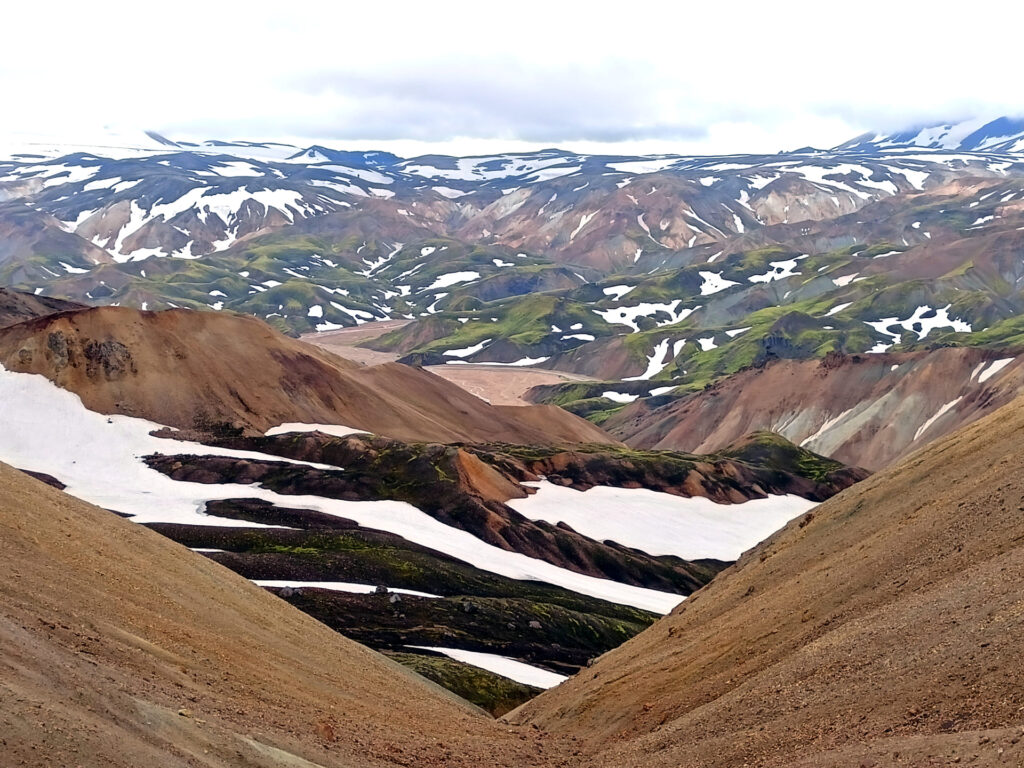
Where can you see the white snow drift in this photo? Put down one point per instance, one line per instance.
(99, 458)
(661, 523)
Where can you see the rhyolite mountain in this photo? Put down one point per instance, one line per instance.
(658, 276)
(879, 629)
(384, 500)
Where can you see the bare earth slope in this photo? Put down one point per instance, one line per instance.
(883, 628)
(865, 410)
(216, 372)
(121, 648)
(16, 307)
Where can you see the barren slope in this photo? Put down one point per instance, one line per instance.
(865, 410)
(215, 372)
(884, 626)
(120, 648)
(16, 307)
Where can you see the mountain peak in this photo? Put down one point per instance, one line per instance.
(1004, 134)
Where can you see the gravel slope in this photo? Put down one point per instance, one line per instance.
(883, 626)
(120, 648)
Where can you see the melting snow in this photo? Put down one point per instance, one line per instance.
(649, 165)
(838, 308)
(47, 429)
(522, 363)
(337, 586)
(938, 414)
(845, 280)
(707, 344)
(779, 271)
(584, 219)
(448, 192)
(920, 323)
(337, 430)
(995, 367)
(618, 291)
(619, 397)
(829, 423)
(656, 363)
(500, 665)
(629, 315)
(713, 283)
(467, 351)
(662, 523)
(444, 281)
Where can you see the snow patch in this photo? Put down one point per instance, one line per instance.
(662, 523)
(500, 665)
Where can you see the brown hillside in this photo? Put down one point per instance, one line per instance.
(211, 372)
(16, 307)
(120, 648)
(863, 410)
(884, 628)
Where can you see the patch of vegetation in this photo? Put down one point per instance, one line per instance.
(773, 451)
(492, 693)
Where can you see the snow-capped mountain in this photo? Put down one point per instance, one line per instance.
(649, 272)
(1004, 134)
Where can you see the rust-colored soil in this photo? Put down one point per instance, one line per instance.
(884, 628)
(208, 371)
(864, 410)
(120, 648)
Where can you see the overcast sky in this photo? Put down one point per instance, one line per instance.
(412, 77)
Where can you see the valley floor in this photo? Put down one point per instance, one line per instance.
(498, 385)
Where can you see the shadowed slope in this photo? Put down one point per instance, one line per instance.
(16, 307)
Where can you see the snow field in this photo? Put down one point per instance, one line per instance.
(99, 458)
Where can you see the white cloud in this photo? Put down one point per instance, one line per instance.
(413, 76)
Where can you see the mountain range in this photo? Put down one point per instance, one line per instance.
(878, 628)
(664, 461)
(653, 277)
(384, 500)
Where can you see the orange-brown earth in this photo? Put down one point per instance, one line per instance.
(121, 648)
(883, 628)
(218, 372)
(863, 410)
(880, 629)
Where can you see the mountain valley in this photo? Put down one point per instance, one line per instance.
(314, 457)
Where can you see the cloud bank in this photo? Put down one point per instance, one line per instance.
(647, 76)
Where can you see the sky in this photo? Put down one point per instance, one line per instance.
(464, 78)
